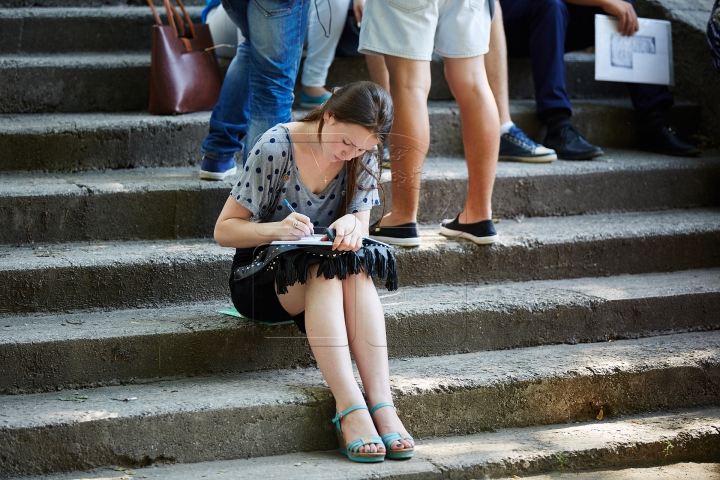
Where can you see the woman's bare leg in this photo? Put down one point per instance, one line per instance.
(322, 301)
(365, 324)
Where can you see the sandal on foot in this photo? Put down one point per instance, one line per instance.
(351, 450)
(389, 438)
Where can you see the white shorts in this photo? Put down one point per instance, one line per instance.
(414, 28)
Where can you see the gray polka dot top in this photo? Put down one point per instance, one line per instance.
(271, 175)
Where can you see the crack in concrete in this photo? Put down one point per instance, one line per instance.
(84, 187)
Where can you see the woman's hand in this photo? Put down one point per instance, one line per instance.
(295, 226)
(348, 234)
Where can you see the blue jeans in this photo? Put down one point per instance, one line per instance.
(258, 89)
(544, 30)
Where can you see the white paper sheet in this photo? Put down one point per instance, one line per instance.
(645, 57)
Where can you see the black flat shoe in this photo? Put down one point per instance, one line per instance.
(570, 145)
(482, 233)
(664, 139)
(405, 235)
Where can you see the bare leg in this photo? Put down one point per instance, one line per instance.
(366, 328)
(409, 137)
(378, 70)
(496, 65)
(323, 303)
(480, 131)
(324, 308)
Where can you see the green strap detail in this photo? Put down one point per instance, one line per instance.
(389, 438)
(355, 446)
(338, 416)
(381, 405)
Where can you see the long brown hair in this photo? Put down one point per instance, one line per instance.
(365, 104)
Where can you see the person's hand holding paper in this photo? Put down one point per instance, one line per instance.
(625, 13)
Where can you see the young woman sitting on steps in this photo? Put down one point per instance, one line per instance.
(325, 166)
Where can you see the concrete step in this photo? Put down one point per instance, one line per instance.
(271, 413)
(112, 275)
(157, 203)
(72, 29)
(74, 82)
(619, 444)
(89, 349)
(675, 471)
(86, 141)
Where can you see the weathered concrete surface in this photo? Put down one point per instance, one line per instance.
(65, 30)
(49, 352)
(676, 471)
(74, 142)
(620, 181)
(74, 83)
(109, 275)
(162, 203)
(695, 77)
(631, 440)
(121, 205)
(260, 414)
(89, 141)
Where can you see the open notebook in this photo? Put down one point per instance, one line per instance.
(310, 240)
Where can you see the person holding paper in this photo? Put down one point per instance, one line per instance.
(326, 167)
(544, 30)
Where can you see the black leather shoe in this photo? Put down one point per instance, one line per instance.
(664, 139)
(570, 145)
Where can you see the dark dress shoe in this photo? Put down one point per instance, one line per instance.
(664, 139)
(570, 145)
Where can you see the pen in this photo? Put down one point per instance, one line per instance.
(287, 204)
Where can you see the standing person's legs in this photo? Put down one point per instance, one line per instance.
(228, 121)
(405, 38)
(326, 20)
(266, 64)
(275, 61)
(496, 66)
(538, 28)
(409, 136)
(480, 131)
(378, 70)
(514, 144)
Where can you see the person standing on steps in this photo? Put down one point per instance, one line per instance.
(258, 89)
(331, 177)
(544, 30)
(514, 144)
(407, 36)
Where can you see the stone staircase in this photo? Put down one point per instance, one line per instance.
(588, 338)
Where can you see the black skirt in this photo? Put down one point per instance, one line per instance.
(259, 302)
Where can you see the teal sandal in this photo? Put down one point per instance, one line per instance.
(388, 439)
(352, 450)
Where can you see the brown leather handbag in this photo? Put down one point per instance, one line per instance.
(184, 73)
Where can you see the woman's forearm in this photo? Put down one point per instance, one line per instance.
(239, 233)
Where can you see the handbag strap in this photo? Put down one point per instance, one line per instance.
(176, 21)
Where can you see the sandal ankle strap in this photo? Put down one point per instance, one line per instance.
(381, 405)
(340, 415)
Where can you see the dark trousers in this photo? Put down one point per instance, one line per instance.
(544, 30)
